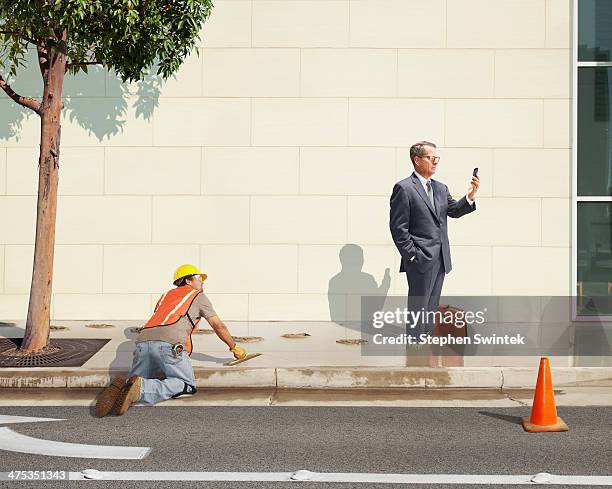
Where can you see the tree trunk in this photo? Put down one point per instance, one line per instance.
(53, 67)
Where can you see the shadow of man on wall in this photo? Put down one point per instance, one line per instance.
(350, 284)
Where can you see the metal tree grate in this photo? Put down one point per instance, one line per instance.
(64, 352)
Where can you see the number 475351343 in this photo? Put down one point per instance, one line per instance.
(36, 475)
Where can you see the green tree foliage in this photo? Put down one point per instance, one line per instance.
(127, 36)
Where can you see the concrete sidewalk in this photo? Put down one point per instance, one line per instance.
(327, 377)
(571, 396)
(313, 362)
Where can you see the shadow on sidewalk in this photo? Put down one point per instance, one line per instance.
(127, 347)
(123, 356)
(202, 357)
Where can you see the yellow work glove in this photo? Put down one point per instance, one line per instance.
(239, 352)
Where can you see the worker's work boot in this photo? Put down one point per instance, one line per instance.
(107, 398)
(129, 395)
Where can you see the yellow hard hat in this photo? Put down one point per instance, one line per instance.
(185, 271)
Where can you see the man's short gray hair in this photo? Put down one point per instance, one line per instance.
(418, 149)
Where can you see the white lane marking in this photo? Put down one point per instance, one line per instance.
(92, 474)
(574, 480)
(541, 478)
(6, 419)
(301, 475)
(15, 442)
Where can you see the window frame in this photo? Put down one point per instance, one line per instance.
(576, 65)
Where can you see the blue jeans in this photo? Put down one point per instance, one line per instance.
(151, 357)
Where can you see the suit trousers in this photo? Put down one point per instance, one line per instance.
(424, 290)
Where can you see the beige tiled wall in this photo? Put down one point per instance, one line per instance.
(144, 171)
(281, 142)
(2, 252)
(557, 116)
(17, 219)
(77, 269)
(299, 122)
(500, 24)
(446, 73)
(300, 23)
(251, 72)
(201, 219)
(251, 268)
(3, 171)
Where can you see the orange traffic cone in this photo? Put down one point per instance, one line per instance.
(544, 411)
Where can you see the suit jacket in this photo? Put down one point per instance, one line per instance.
(419, 231)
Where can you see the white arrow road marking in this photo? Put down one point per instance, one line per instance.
(492, 479)
(15, 442)
(5, 419)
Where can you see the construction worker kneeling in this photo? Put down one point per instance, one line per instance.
(164, 345)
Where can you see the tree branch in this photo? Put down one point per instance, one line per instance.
(82, 63)
(27, 102)
(21, 36)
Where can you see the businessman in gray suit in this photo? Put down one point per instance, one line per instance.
(417, 220)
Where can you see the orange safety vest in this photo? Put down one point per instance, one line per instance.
(171, 307)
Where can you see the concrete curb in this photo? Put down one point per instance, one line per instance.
(329, 377)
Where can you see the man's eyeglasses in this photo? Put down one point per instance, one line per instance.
(433, 159)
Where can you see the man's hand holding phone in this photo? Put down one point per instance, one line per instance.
(473, 185)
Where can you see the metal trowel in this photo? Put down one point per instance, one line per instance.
(236, 362)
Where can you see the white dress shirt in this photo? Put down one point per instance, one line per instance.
(424, 181)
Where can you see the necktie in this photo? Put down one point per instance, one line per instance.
(430, 194)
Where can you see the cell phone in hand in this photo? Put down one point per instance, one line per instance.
(475, 172)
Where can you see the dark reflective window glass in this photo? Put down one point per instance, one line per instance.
(594, 33)
(594, 144)
(594, 258)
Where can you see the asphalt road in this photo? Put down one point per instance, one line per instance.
(319, 439)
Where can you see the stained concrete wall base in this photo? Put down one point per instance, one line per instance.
(328, 377)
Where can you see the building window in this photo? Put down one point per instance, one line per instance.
(592, 159)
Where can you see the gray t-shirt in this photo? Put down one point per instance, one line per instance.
(201, 307)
